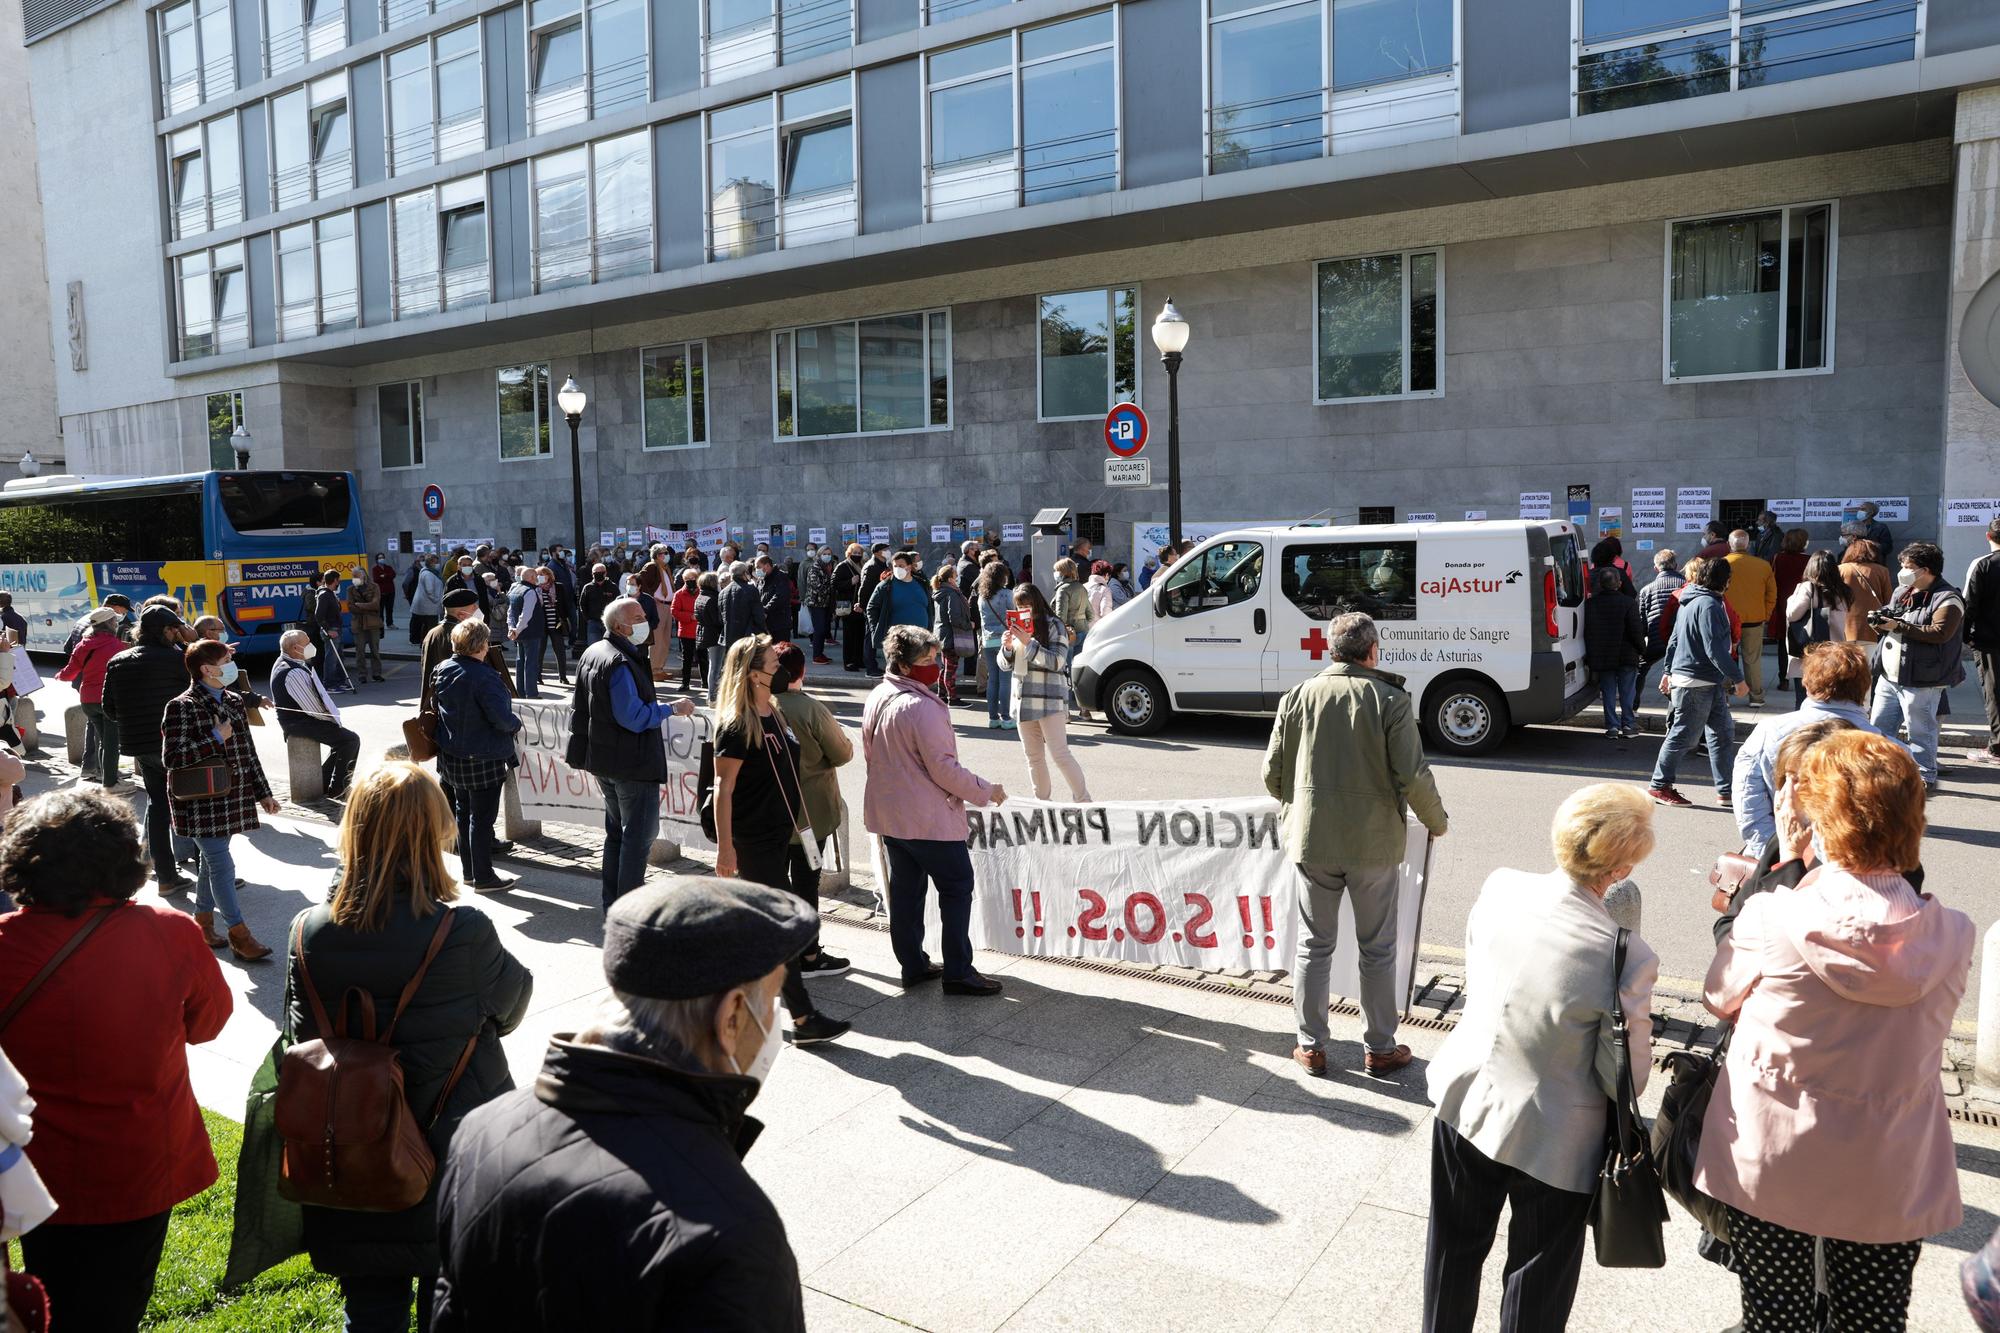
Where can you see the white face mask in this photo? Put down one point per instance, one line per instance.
(759, 1071)
(229, 673)
(305, 655)
(902, 572)
(637, 634)
(1906, 577)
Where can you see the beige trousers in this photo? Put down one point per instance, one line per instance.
(1046, 740)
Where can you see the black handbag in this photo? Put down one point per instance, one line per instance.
(1677, 1132)
(1817, 627)
(1628, 1210)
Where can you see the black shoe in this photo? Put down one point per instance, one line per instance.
(496, 883)
(931, 972)
(502, 848)
(172, 884)
(972, 984)
(824, 964)
(816, 1028)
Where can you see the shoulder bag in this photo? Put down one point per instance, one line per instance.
(203, 780)
(56, 960)
(420, 737)
(1677, 1132)
(351, 1140)
(1817, 627)
(1731, 871)
(807, 842)
(1628, 1211)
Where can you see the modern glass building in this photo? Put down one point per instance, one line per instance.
(828, 262)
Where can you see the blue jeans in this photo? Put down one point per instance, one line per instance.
(476, 811)
(1616, 688)
(382, 1304)
(1694, 712)
(215, 881)
(593, 630)
(1914, 706)
(631, 822)
(999, 688)
(100, 745)
(528, 650)
(822, 621)
(914, 863)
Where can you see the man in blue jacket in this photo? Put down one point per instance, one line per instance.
(899, 599)
(1701, 672)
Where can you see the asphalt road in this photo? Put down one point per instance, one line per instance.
(1500, 806)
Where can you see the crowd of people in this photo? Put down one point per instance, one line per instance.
(616, 1178)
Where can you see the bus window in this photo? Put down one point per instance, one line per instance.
(1222, 575)
(1378, 579)
(1569, 571)
(112, 527)
(285, 504)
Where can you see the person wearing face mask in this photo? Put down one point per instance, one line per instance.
(202, 734)
(775, 595)
(137, 684)
(364, 606)
(1922, 653)
(850, 597)
(527, 627)
(614, 735)
(741, 606)
(383, 574)
(426, 599)
(306, 708)
(819, 600)
(613, 1184)
(597, 594)
(87, 661)
(899, 599)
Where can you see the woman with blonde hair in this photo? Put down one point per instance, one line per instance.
(1826, 1133)
(443, 988)
(762, 830)
(1523, 1083)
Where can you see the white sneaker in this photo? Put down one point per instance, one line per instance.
(121, 788)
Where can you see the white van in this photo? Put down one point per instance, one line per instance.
(1483, 620)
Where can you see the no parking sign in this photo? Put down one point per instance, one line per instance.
(1125, 430)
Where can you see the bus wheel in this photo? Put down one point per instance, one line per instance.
(1465, 717)
(1135, 703)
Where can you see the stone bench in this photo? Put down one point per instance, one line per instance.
(74, 726)
(303, 757)
(27, 721)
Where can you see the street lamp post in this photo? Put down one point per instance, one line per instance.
(31, 466)
(1170, 335)
(239, 440)
(571, 400)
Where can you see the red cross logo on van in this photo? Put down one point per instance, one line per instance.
(1314, 643)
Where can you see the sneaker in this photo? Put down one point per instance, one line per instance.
(824, 964)
(1983, 757)
(993, 724)
(816, 1028)
(121, 788)
(170, 885)
(499, 883)
(1724, 800)
(1667, 796)
(1007, 724)
(1614, 735)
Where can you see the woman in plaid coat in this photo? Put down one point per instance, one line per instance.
(202, 724)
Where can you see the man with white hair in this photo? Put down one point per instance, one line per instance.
(614, 735)
(742, 606)
(1752, 594)
(305, 708)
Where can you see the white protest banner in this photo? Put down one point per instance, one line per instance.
(1201, 884)
(1694, 497)
(1537, 504)
(552, 790)
(1649, 509)
(1970, 513)
(1819, 509)
(1691, 520)
(1788, 511)
(709, 537)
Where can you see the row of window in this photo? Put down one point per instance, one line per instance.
(1747, 294)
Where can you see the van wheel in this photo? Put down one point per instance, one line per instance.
(1465, 717)
(1135, 703)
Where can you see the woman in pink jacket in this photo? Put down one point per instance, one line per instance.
(85, 669)
(1827, 1120)
(915, 802)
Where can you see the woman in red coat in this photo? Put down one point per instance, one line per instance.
(102, 1043)
(100, 643)
(1789, 565)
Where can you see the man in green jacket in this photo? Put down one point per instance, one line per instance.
(1346, 764)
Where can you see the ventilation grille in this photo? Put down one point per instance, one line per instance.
(39, 18)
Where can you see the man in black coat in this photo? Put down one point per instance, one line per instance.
(611, 1194)
(775, 596)
(137, 684)
(742, 609)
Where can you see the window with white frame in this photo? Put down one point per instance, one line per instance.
(197, 54)
(436, 102)
(585, 60)
(312, 142)
(213, 301)
(523, 393)
(673, 387)
(1088, 355)
(1289, 80)
(439, 246)
(1376, 327)
(1023, 118)
(1639, 52)
(863, 377)
(298, 31)
(1751, 293)
(399, 414)
(395, 13)
(594, 212)
(741, 37)
(205, 177)
(781, 170)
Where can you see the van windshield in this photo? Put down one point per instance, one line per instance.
(1569, 570)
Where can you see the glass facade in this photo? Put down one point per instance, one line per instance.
(399, 415)
(673, 395)
(1376, 326)
(594, 212)
(863, 377)
(1088, 355)
(1751, 294)
(523, 393)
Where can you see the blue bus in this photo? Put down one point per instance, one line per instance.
(248, 547)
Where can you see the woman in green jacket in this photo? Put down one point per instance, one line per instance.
(371, 936)
(823, 747)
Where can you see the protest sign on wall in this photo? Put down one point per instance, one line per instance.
(1013, 532)
(1970, 513)
(1537, 504)
(551, 790)
(1201, 884)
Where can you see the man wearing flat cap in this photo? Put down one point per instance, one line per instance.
(612, 1194)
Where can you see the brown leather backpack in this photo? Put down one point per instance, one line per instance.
(351, 1139)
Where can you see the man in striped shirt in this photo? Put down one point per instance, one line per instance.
(305, 708)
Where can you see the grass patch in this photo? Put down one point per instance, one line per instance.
(291, 1296)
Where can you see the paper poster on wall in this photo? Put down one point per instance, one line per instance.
(1013, 532)
(1610, 521)
(1537, 504)
(1649, 509)
(909, 532)
(1890, 508)
(1475, 515)
(815, 536)
(1646, 544)
(1970, 513)
(791, 534)
(1821, 509)
(736, 535)
(1685, 521)
(850, 533)
(958, 529)
(422, 546)
(941, 532)
(1579, 506)
(760, 536)
(1787, 511)
(395, 545)
(1694, 497)
(975, 528)
(635, 539)
(1426, 517)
